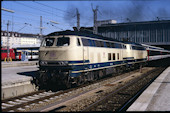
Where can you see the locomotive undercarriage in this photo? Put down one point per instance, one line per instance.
(51, 78)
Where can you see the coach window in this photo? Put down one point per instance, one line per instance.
(63, 41)
(78, 42)
(113, 56)
(109, 56)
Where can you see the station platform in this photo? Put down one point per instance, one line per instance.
(17, 63)
(156, 97)
(17, 77)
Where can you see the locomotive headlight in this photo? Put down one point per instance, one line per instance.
(63, 63)
(43, 62)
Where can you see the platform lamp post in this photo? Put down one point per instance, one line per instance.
(11, 11)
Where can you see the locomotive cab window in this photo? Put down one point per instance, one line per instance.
(85, 42)
(48, 42)
(63, 41)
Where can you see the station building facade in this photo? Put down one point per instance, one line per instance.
(19, 39)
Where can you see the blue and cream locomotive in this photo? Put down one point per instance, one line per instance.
(74, 57)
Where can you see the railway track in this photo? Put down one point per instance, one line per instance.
(122, 98)
(47, 101)
(80, 101)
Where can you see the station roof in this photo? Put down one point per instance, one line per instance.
(137, 23)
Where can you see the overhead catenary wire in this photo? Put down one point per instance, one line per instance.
(54, 8)
(45, 19)
(50, 7)
(35, 20)
(41, 10)
(38, 9)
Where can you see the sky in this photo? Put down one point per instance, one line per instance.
(26, 16)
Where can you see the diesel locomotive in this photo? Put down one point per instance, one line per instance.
(75, 57)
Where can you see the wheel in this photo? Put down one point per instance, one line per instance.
(67, 83)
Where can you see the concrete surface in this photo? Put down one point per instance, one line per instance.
(18, 63)
(17, 80)
(156, 97)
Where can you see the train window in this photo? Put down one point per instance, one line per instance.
(118, 45)
(34, 53)
(142, 48)
(118, 56)
(101, 44)
(109, 56)
(108, 44)
(29, 53)
(3, 51)
(138, 48)
(104, 43)
(63, 41)
(85, 42)
(90, 42)
(152, 53)
(93, 43)
(133, 47)
(78, 42)
(124, 46)
(114, 56)
(112, 45)
(48, 42)
(98, 44)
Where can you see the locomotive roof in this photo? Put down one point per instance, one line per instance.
(133, 43)
(88, 34)
(82, 33)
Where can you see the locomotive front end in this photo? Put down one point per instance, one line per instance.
(55, 54)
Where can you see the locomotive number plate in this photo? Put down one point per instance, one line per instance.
(52, 54)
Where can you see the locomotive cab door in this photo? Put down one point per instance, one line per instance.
(85, 54)
(85, 47)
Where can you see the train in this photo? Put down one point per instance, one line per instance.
(155, 53)
(16, 53)
(4, 54)
(31, 53)
(76, 57)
